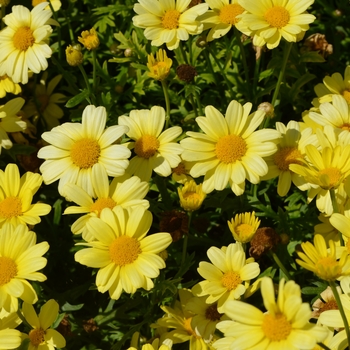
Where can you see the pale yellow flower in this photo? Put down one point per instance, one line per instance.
(8, 86)
(244, 226)
(159, 66)
(191, 196)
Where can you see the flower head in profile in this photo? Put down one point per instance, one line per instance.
(10, 121)
(168, 22)
(20, 260)
(221, 17)
(244, 226)
(290, 150)
(24, 42)
(154, 149)
(322, 261)
(41, 336)
(227, 276)
(123, 191)
(76, 148)
(74, 56)
(45, 102)
(125, 257)
(285, 324)
(159, 66)
(270, 21)
(191, 196)
(230, 150)
(16, 197)
(89, 39)
(8, 86)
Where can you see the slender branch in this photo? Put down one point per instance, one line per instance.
(167, 103)
(244, 58)
(280, 265)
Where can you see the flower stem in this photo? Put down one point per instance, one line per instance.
(184, 247)
(20, 315)
(200, 110)
(280, 265)
(167, 103)
(286, 52)
(94, 59)
(336, 210)
(88, 86)
(244, 58)
(323, 346)
(341, 309)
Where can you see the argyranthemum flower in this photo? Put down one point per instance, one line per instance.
(227, 276)
(230, 150)
(24, 42)
(9, 338)
(159, 66)
(191, 196)
(76, 148)
(322, 261)
(16, 197)
(290, 150)
(41, 336)
(46, 101)
(271, 20)
(155, 150)
(8, 86)
(221, 17)
(126, 258)
(244, 226)
(89, 39)
(168, 22)
(20, 260)
(165, 345)
(124, 192)
(285, 325)
(10, 121)
(325, 302)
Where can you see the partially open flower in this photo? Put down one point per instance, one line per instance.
(244, 226)
(89, 39)
(74, 55)
(159, 66)
(191, 196)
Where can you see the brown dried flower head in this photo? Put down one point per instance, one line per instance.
(264, 240)
(175, 222)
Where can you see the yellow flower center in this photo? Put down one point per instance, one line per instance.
(10, 207)
(231, 280)
(229, 12)
(212, 314)
(286, 156)
(192, 196)
(180, 169)
(43, 102)
(230, 148)
(276, 327)
(328, 268)
(346, 95)
(348, 246)
(3, 77)
(37, 336)
(8, 270)
(244, 230)
(170, 19)
(23, 38)
(346, 126)
(330, 177)
(329, 305)
(85, 153)
(146, 146)
(277, 16)
(102, 203)
(124, 250)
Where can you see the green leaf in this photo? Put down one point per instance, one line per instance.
(304, 79)
(68, 307)
(57, 211)
(312, 56)
(74, 101)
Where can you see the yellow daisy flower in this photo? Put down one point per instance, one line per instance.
(10, 121)
(243, 227)
(155, 150)
(322, 261)
(285, 325)
(159, 66)
(76, 148)
(124, 192)
(270, 20)
(8, 86)
(191, 196)
(20, 260)
(326, 229)
(89, 39)
(168, 22)
(222, 16)
(227, 276)
(42, 336)
(9, 338)
(24, 42)
(165, 345)
(229, 150)
(47, 101)
(16, 197)
(126, 258)
(290, 150)
(56, 4)
(333, 85)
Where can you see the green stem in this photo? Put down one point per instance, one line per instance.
(59, 34)
(70, 30)
(94, 62)
(256, 75)
(223, 73)
(20, 315)
(200, 110)
(286, 52)
(341, 309)
(183, 53)
(193, 106)
(88, 86)
(244, 58)
(323, 346)
(336, 210)
(167, 103)
(280, 265)
(184, 247)
(208, 60)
